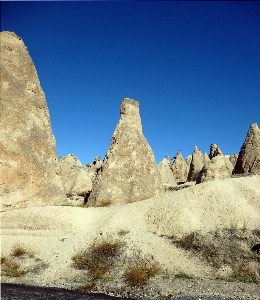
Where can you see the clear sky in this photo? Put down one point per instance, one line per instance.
(194, 67)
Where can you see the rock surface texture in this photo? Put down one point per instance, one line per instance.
(218, 167)
(74, 176)
(93, 169)
(167, 177)
(248, 160)
(179, 168)
(196, 164)
(214, 151)
(30, 172)
(129, 172)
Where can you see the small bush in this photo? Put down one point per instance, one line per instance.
(139, 274)
(99, 258)
(10, 267)
(20, 250)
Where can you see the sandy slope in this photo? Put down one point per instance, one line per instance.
(56, 232)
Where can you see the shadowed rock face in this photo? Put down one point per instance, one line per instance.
(129, 172)
(214, 151)
(30, 173)
(248, 160)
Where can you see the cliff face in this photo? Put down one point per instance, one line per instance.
(129, 172)
(248, 160)
(30, 173)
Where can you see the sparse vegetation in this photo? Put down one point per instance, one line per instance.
(11, 267)
(21, 250)
(139, 274)
(183, 275)
(99, 258)
(227, 247)
(13, 264)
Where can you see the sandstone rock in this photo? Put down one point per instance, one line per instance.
(233, 158)
(179, 168)
(167, 177)
(188, 161)
(214, 151)
(196, 164)
(248, 160)
(129, 172)
(205, 158)
(218, 167)
(94, 168)
(74, 176)
(30, 172)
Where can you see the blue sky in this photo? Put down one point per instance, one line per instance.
(194, 67)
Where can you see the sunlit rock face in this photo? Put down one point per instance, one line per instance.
(218, 167)
(30, 173)
(196, 164)
(129, 172)
(74, 176)
(165, 171)
(248, 160)
(179, 168)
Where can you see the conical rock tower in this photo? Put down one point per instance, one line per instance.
(248, 160)
(30, 172)
(129, 172)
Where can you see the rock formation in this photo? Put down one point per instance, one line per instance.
(214, 151)
(248, 160)
(94, 168)
(167, 177)
(218, 167)
(30, 172)
(205, 158)
(179, 168)
(129, 172)
(74, 176)
(196, 164)
(233, 158)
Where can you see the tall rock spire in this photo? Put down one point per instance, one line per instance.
(129, 172)
(248, 160)
(30, 173)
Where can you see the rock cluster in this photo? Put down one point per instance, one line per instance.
(179, 168)
(218, 166)
(74, 176)
(248, 160)
(129, 172)
(30, 172)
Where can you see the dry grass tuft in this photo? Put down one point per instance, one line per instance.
(10, 267)
(21, 250)
(99, 258)
(139, 274)
(226, 247)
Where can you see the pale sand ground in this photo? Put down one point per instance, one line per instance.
(56, 232)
